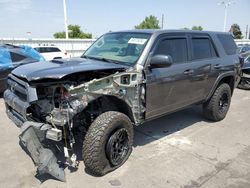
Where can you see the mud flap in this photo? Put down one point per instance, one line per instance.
(31, 138)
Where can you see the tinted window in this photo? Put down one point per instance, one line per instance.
(227, 43)
(47, 49)
(53, 50)
(16, 57)
(202, 48)
(176, 48)
(38, 49)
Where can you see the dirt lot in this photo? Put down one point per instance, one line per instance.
(179, 150)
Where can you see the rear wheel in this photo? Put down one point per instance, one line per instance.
(108, 143)
(217, 106)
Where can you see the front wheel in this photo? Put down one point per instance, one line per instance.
(108, 143)
(217, 106)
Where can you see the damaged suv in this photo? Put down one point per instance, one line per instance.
(123, 79)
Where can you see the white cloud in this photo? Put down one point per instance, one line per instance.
(15, 6)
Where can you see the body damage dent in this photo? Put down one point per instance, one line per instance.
(127, 86)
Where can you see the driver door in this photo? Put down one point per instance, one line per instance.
(167, 89)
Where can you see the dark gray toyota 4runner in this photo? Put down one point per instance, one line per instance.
(123, 79)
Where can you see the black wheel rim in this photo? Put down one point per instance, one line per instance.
(223, 103)
(117, 147)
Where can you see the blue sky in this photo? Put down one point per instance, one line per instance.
(44, 17)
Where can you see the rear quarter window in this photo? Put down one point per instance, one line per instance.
(15, 57)
(228, 43)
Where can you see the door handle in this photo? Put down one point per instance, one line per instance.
(217, 66)
(188, 72)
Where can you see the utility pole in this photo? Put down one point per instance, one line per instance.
(246, 37)
(65, 19)
(226, 4)
(162, 21)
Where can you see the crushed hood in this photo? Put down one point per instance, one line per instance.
(62, 67)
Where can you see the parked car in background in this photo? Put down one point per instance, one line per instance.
(244, 50)
(245, 78)
(13, 56)
(51, 52)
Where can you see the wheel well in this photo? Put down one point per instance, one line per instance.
(229, 80)
(111, 103)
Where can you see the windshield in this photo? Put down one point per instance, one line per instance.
(123, 48)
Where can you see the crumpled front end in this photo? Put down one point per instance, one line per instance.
(52, 115)
(245, 78)
(32, 110)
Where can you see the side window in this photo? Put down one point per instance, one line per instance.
(53, 50)
(202, 48)
(227, 43)
(38, 50)
(16, 57)
(176, 48)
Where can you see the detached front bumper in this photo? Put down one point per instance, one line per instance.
(18, 97)
(33, 139)
(15, 108)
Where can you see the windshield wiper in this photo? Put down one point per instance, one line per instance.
(104, 59)
(109, 60)
(84, 56)
(100, 59)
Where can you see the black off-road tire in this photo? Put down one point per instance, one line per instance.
(95, 156)
(212, 109)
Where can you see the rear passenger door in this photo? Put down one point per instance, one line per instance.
(204, 59)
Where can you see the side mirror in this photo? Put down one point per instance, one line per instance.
(160, 61)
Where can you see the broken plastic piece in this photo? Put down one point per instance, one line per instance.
(43, 158)
(73, 161)
(66, 153)
(54, 134)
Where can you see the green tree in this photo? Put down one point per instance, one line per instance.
(150, 22)
(198, 28)
(75, 32)
(235, 30)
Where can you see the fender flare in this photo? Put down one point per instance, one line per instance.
(218, 80)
